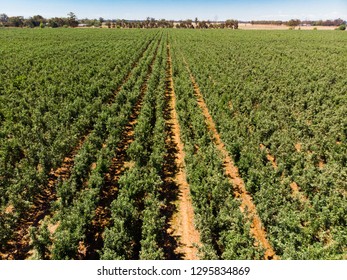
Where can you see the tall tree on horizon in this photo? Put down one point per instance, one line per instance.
(72, 19)
(3, 19)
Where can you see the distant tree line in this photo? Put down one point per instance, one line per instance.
(72, 21)
(163, 23)
(147, 23)
(230, 23)
(38, 21)
(297, 22)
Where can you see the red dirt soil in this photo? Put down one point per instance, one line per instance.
(182, 223)
(298, 147)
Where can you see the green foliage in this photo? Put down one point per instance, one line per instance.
(276, 96)
(224, 230)
(137, 233)
(121, 238)
(294, 23)
(342, 27)
(153, 223)
(43, 115)
(40, 238)
(7, 223)
(277, 102)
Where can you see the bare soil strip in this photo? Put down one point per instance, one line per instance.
(18, 248)
(298, 147)
(247, 205)
(294, 186)
(321, 164)
(298, 193)
(249, 26)
(118, 166)
(182, 222)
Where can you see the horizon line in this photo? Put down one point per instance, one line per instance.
(182, 19)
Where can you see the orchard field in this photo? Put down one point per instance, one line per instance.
(173, 144)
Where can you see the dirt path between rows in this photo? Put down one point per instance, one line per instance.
(118, 166)
(19, 247)
(182, 223)
(247, 205)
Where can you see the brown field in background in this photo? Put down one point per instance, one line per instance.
(249, 26)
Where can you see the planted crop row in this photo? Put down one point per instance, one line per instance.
(138, 224)
(225, 232)
(78, 194)
(48, 101)
(281, 91)
(94, 165)
(49, 105)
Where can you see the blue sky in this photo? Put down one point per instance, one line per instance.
(180, 9)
